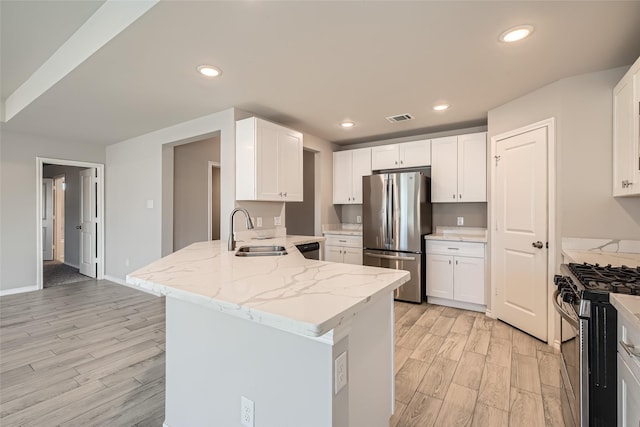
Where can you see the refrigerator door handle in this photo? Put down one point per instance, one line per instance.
(391, 257)
(384, 214)
(391, 215)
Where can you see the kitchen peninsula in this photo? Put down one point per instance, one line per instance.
(285, 332)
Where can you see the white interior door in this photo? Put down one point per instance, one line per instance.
(47, 219)
(520, 254)
(88, 222)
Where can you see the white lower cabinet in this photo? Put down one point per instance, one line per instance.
(628, 396)
(455, 273)
(628, 373)
(344, 249)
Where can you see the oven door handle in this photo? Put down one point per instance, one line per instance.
(563, 313)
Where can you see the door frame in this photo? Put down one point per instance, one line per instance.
(56, 219)
(550, 125)
(209, 197)
(40, 162)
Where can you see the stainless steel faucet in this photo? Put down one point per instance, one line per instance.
(232, 242)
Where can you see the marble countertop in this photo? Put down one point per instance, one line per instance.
(459, 234)
(342, 229)
(628, 306)
(287, 292)
(616, 259)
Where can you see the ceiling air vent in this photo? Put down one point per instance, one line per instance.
(400, 118)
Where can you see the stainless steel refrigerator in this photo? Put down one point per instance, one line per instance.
(396, 211)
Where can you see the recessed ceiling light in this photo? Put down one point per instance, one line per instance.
(347, 124)
(516, 33)
(441, 107)
(209, 70)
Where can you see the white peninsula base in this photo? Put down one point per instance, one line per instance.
(212, 359)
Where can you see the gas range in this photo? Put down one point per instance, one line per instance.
(589, 339)
(595, 282)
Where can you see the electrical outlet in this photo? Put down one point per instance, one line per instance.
(358, 219)
(246, 412)
(460, 220)
(340, 372)
(259, 221)
(277, 220)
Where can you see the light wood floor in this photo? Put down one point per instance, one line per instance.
(82, 354)
(461, 368)
(92, 354)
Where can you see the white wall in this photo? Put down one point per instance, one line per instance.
(135, 175)
(18, 235)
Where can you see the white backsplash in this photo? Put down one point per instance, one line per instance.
(601, 245)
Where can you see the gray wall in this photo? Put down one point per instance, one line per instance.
(446, 214)
(300, 215)
(190, 190)
(71, 209)
(582, 106)
(18, 154)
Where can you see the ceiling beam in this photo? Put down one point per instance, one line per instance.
(106, 23)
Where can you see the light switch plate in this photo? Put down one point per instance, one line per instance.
(149, 204)
(460, 220)
(358, 219)
(277, 220)
(259, 221)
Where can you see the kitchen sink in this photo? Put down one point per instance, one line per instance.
(261, 251)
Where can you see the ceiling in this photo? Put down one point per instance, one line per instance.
(305, 64)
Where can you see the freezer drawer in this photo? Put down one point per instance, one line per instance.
(411, 291)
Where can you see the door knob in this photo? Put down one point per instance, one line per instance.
(78, 227)
(537, 244)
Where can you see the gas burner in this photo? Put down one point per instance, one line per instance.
(623, 279)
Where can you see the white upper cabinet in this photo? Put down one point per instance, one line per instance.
(348, 169)
(268, 161)
(459, 168)
(626, 134)
(405, 155)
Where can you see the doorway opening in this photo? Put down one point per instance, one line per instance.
(301, 216)
(69, 202)
(196, 191)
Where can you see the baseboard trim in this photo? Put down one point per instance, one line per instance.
(72, 265)
(119, 281)
(457, 304)
(18, 290)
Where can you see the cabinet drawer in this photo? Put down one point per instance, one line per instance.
(344, 241)
(446, 247)
(631, 336)
(628, 395)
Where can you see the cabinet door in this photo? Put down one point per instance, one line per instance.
(439, 276)
(468, 279)
(342, 177)
(290, 166)
(444, 170)
(267, 162)
(622, 136)
(385, 157)
(415, 153)
(361, 167)
(472, 167)
(333, 253)
(628, 396)
(352, 255)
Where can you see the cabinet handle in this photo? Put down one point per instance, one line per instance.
(449, 262)
(630, 349)
(459, 196)
(396, 162)
(454, 196)
(280, 194)
(454, 249)
(285, 194)
(402, 162)
(456, 262)
(343, 241)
